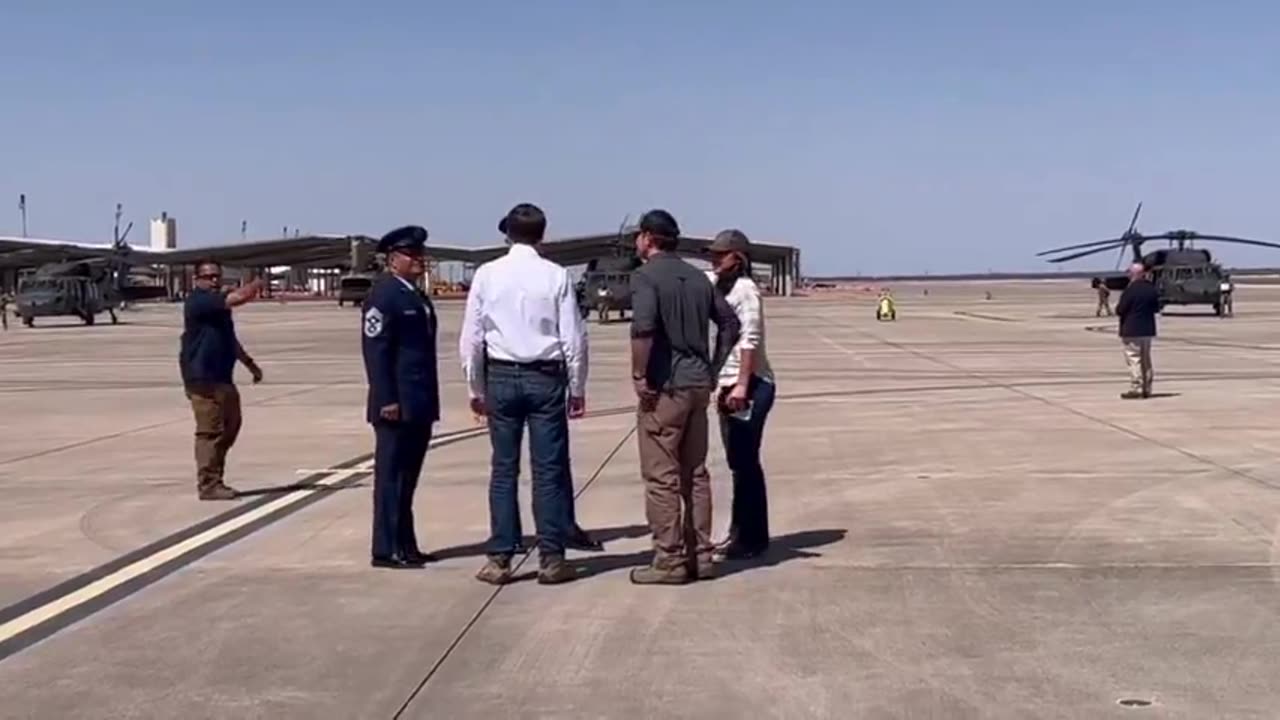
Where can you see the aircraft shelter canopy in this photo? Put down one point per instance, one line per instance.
(333, 251)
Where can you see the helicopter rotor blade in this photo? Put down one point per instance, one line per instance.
(1133, 224)
(1242, 241)
(1081, 246)
(1093, 251)
(1191, 236)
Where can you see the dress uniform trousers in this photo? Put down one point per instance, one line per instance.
(400, 448)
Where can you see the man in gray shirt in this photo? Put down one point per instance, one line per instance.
(674, 373)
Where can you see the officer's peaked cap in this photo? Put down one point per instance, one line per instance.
(409, 237)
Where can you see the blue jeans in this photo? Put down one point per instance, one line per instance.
(742, 440)
(516, 396)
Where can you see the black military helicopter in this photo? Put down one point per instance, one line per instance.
(1183, 274)
(83, 288)
(605, 285)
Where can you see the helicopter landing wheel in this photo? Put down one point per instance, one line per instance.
(89, 318)
(28, 321)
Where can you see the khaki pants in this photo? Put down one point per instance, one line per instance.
(672, 439)
(1137, 352)
(217, 413)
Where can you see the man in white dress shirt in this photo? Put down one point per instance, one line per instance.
(524, 357)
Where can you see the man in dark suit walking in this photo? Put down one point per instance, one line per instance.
(398, 333)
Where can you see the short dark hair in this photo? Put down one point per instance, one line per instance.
(663, 227)
(525, 223)
(202, 262)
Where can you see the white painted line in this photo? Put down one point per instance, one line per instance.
(362, 467)
(141, 566)
(856, 357)
(146, 564)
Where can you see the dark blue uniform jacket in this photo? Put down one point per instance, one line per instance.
(1137, 309)
(398, 335)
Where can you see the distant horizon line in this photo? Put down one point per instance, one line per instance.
(1027, 275)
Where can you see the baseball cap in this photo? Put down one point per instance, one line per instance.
(526, 220)
(732, 240)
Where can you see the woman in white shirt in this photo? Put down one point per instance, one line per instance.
(746, 394)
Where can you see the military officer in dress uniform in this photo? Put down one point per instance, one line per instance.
(398, 334)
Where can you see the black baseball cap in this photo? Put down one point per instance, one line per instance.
(660, 223)
(525, 220)
(732, 240)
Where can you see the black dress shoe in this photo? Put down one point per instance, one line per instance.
(579, 540)
(739, 550)
(417, 557)
(395, 562)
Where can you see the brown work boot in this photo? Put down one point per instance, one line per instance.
(706, 569)
(1132, 395)
(651, 575)
(497, 571)
(218, 492)
(555, 571)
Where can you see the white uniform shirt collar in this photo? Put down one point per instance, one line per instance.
(522, 250)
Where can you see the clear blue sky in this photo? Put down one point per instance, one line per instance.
(890, 136)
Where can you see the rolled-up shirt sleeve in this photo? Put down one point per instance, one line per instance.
(749, 308)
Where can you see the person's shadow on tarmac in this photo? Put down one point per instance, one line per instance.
(782, 548)
(604, 535)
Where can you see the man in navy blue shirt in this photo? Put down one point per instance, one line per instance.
(398, 342)
(1137, 309)
(207, 362)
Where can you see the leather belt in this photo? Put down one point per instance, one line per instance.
(541, 365)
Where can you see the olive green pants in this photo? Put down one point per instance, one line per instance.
(217, 412)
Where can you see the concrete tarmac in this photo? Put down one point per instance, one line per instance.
(968, 523)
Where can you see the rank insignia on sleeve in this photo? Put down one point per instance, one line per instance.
(373, 322)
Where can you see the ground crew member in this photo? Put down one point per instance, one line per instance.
(398, 342)
(746, 392)
(4, 310)
(207, 361)
(1104, 298)
(524, 357)
(1137, 309)
(674, 374)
